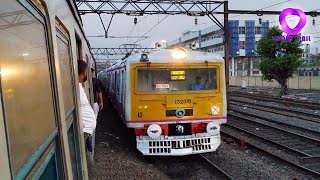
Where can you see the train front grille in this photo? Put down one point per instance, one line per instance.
(165, 147)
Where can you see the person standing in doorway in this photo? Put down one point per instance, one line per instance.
(88, 117)
(97, 93)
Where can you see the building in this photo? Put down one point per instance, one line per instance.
(309, 58)
(243, 38)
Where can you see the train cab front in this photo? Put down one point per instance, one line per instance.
(177, 109)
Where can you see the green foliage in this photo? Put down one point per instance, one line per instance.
(276, 67)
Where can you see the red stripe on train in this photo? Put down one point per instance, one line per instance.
(190, 119)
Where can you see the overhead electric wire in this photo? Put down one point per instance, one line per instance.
(261, 8)
(138, 23)
(120, 36)
(153, 27)
(249, 12)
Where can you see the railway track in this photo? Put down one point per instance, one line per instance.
(285, 111)
(274, 123)
(287, 102)
(220, 174)
(299, 150)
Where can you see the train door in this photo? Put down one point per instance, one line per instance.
(115, 85)
(28, 93)
(89, 81)
(118, 83)
(123, 88)
(69, 98)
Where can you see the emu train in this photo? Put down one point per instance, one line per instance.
(173, 99)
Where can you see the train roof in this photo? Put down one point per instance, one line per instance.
(164, 56)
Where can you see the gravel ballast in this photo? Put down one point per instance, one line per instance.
(285, 119)
(254, 164)
(117, 158)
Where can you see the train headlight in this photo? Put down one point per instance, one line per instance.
(180, 112)
(179, 54)
(154, 131)
(213, 128)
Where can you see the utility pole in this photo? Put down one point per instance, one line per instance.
(226, 43)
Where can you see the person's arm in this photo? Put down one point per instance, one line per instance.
(100, 100)
(100, 95)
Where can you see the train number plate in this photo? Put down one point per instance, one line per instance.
(179, 101)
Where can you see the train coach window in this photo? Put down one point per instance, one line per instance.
(164, 80)
(65, 72)
(26, 81)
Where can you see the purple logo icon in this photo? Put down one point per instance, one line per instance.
(284, 25)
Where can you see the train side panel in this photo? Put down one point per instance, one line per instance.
(41, 126)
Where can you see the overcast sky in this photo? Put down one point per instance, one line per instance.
(172, 27)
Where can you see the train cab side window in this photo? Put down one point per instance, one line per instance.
(26, 81)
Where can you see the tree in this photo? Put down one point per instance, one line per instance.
(279, 59)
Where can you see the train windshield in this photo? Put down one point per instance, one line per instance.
(167, 80)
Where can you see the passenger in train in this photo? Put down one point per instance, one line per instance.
(97, 94)
(87, 115)
(198, 85)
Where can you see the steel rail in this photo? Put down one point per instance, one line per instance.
(293, 150)
(315, 106)
(278, 129)
(278, 110)
(266, 150)
(221, 172)
(311, 132)
(289, 149)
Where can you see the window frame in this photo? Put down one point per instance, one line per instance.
(242, 30)
(258, 30)
(66, 39)
(35, 157)
(242, 45)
